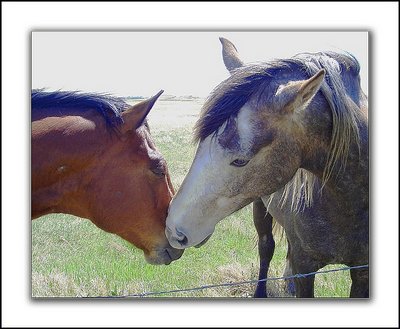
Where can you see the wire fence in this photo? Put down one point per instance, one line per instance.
(230, 284)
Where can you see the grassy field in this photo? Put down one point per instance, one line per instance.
(73, 258)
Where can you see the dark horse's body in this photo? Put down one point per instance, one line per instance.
(93, 157)
(294, 134)
(308, 249)
(311, 244)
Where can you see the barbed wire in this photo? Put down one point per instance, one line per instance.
(230, 284)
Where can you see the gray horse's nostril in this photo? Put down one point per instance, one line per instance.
(176, 238)
(181, 238)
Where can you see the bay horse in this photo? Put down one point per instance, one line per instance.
(92, 156)
(293, 133)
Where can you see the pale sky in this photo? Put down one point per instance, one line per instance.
(181, 63)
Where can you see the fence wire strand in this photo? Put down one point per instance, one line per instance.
(230, 284)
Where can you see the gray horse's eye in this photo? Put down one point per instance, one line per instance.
(239, 163)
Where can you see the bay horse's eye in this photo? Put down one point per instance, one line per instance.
(159, 171)
(239, 163)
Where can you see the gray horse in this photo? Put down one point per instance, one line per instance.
(293, 133)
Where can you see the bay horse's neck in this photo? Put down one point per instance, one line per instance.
(63, 148)
(349, 181)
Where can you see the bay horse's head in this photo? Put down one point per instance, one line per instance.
(104, 167)
(132, 188)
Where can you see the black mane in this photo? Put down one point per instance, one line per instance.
(107, 106)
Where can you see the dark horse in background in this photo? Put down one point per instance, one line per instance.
(263, 220)
(93, 157)
(292, 133)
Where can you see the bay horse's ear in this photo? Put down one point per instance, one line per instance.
(135, 115)
(296, 95)
(230, 55)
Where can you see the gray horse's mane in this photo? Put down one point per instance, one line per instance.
(345, 130)
(345, 113)
(229, 97)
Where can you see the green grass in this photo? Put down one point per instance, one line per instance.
(71, 257)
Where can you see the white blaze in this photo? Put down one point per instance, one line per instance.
(202, 200)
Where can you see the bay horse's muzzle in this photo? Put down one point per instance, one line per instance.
(163, 256)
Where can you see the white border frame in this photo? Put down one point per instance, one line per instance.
(19, 19)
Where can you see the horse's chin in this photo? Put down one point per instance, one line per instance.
(163, 256)
(203, 242)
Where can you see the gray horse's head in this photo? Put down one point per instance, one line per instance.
(251, 140)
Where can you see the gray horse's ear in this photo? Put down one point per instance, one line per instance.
(230, 55)
(136, 114)
(297, 95)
